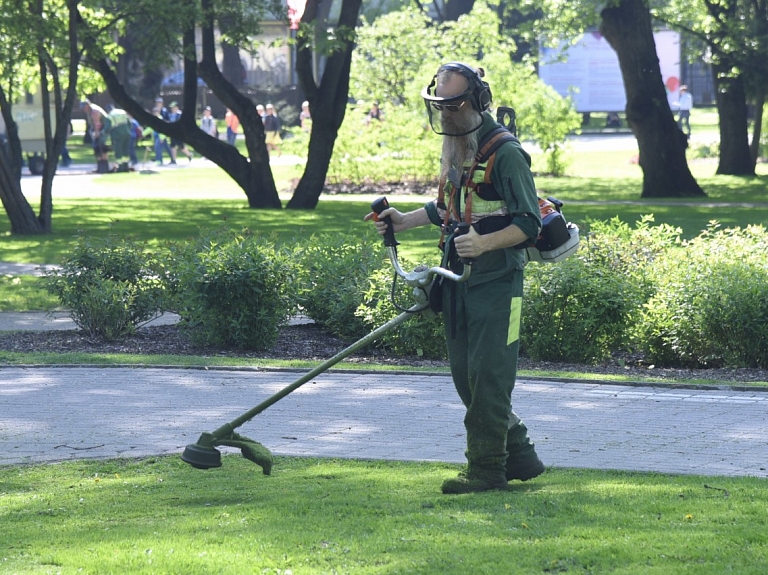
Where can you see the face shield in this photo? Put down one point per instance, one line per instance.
(452, 116)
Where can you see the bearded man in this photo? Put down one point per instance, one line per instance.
(482, 315)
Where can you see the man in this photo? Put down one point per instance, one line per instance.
(482, 315)
(684, 105)
(178, 145)
(374, 113)
(305, 117)
(272, 130)
(120, 134)
(208, 123)
(160, 142)
(98, 124)
(233, 123)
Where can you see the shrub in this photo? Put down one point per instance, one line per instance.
(111, 286)
(584, 308)
(711, 308)
(334, 275)
(233, 289)
(397, 149)
(422, 335)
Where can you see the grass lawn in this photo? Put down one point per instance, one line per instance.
(159, 515)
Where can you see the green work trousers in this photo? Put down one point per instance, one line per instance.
(482, 325)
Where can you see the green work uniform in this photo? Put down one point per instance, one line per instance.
(482, 317)
(120, 133)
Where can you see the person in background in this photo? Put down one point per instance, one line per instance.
(208, 123)
(98, 124)
(260, 111)
(374, 114)
(160, 142)
(120, 134)
(305, 117)
(272, 130)
(233, 123)
(684, 105)
(137, 133)
(178, 145)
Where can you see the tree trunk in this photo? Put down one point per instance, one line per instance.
(327, 103)
(735, 157)
(627, 27)
(754, 146)
(20, 213)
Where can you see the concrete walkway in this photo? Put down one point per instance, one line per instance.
(62, 413)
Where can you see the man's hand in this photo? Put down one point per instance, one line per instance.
(471, 244)
(397, 220)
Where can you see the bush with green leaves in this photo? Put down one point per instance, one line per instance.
(334, 272)
(233, 289)
(586, 307)
(422, 335)
(711, 305)
(403, 146)
(399, 148)
(110, 285)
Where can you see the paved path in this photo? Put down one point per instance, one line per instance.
(51, 414)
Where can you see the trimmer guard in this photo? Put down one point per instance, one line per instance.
(558, 254)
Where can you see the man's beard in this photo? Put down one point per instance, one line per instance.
(459, 149)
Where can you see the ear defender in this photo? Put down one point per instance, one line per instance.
(481, 91)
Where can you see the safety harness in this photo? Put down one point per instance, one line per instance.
(477, 180)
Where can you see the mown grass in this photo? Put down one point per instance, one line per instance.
(159, 515)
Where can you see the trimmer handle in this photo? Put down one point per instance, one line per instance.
(378, 206)
(461, 229)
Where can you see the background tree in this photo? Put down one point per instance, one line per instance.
(735, 33)
(328, 99)
(41, 35)
(626, 24)
(627, 27)
(176, 19)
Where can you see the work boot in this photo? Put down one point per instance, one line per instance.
(524, 465)
(468, 482)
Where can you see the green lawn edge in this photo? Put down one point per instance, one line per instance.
(63, 360)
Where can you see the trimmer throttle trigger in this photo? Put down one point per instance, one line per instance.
(461, 229)
(378, 206)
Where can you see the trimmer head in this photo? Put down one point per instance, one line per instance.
(202, 455)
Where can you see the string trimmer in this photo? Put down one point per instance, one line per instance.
(204, 455)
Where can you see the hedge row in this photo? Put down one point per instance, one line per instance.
(699, 303)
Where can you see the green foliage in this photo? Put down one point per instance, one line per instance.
(704, 150)
(232, 289)
(334, 272)
(711, 305)
(24, 293)
(405, 147)
(582, 309)
(400, 148)
(422, 335)
(384, 63)
(111, 286)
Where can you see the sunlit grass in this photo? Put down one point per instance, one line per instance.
(22, 292)
(159, 515)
